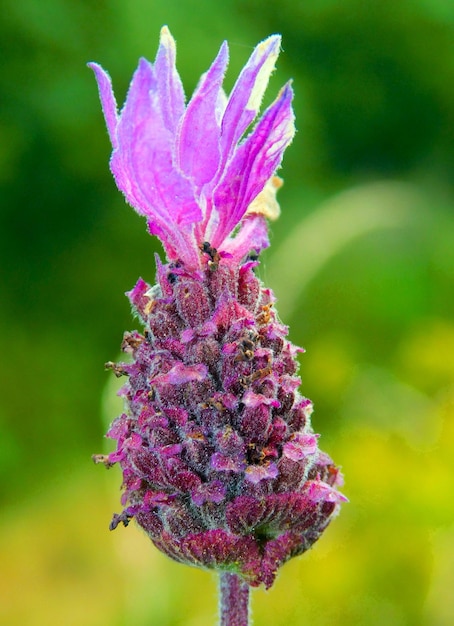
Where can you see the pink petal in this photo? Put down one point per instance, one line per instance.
(133, 442)
(143, 162)
(317, 491)
(139, 298)
(256, 473)
(181, 373)
(170, 89)
(108, 102)
(198, 140)
(225, 463)
(253, 235)
(252, 399)
(247, 93)
(253, 164)
(300, 446)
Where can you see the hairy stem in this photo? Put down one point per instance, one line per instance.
(234, 600)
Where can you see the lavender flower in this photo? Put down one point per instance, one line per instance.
(220, 465)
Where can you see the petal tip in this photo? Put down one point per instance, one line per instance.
(271, 44)
(265, 54)
(166, 38)
(108, 102)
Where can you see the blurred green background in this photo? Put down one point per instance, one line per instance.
(362, 261)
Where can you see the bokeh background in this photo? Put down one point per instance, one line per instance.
(362, 261)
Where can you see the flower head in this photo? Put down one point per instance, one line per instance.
(186, 167)
(220, 465)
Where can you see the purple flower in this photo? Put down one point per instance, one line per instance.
(184, 167)
(220, 465)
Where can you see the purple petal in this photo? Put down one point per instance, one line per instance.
(225, 463)
(252, 399)
(133, 442)
(299, 446)
(247, 93)
(253, 164)
(138, 297)
(173, 449)
(198, 140)
(143, 163)
(108, 102)
(156, 498)
(170, 89)
(143, 169)
(256, 473)
(119, 428)
(253, 235)
(181, 373)
(187, 335)
(317, 491)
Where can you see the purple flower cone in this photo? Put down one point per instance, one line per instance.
(220, 465)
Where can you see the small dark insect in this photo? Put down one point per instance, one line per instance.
(214, 255)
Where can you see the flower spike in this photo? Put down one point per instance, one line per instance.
(221, 466)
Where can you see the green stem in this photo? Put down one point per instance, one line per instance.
(234, 600)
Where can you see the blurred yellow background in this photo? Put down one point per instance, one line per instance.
(362, 262)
